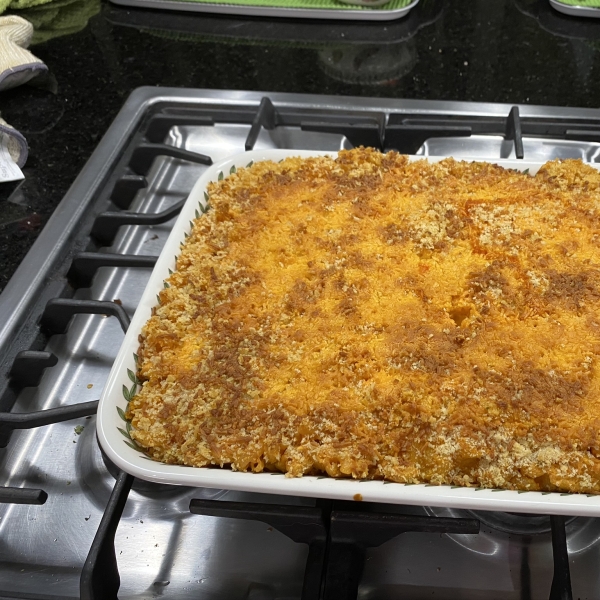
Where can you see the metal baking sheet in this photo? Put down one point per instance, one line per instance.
(114, 440)
(348, 14)
(295, 32)
(576, 11)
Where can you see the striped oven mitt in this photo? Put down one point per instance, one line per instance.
(17, 65)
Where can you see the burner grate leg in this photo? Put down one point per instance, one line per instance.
(513, 131)
(561, 582)
(266, 117)
(100, 578)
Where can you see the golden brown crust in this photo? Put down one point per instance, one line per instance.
(373, 318)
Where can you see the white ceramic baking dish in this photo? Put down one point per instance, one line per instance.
(113, 430)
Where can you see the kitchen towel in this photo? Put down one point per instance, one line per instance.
(17, 65)
(60, 17)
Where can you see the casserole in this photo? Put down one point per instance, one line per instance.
(409, 492)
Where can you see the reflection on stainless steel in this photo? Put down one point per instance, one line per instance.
(538, 150)
(493, 547)
(369, 64)
(163, 550)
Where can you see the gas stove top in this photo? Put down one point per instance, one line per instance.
(73, 526)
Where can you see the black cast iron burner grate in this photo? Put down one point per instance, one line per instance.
(337, 535)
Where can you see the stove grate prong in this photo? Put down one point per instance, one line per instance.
(11, 495)
(125, 190)
(28, 367)
(106, 225)
(85, 264)
(11, 421)
(561, 581)
(266, 117)
(513, 131)
(145, 153)
(59, 311)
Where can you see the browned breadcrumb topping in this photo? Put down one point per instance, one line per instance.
(371, 317)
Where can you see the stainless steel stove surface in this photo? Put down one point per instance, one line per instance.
(57, 528)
